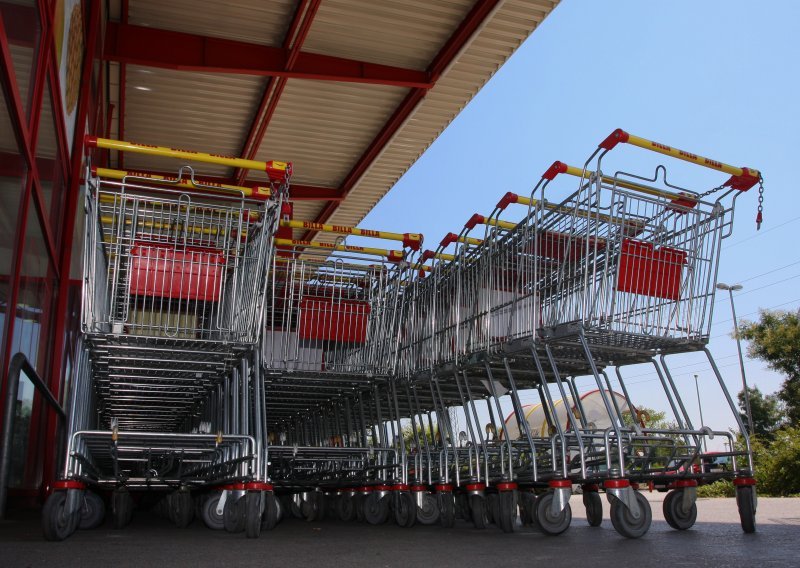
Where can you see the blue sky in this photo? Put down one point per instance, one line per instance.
(718, 78)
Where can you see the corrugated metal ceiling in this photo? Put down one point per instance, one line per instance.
(324, 127)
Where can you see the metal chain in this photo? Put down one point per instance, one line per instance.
(710, 191)
(760, 214)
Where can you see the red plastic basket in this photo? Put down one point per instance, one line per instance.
(344, 321)
(645, 270)
(190, 274)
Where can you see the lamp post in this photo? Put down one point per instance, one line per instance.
(731, 290)
(700, 406)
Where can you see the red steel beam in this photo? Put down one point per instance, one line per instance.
(471, 23)
(140, 45)
(295, 36)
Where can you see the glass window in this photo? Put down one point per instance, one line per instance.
(24, 33)
(13, 174)
(49, 164)
(32, 331)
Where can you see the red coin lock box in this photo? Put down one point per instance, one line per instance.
(650, 271)
(330, 319)
(190, 274)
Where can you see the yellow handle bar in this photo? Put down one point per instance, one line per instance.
(392, 255)
(261, 192)
(410, 240)
(741, 178)
(279, 172)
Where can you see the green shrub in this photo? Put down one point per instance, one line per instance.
(778, 464)
(721, 488)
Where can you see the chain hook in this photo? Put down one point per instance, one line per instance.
(760, 214)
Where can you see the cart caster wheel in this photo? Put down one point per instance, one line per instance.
(121, 509)
(56, 523)
(233, 514)
(322, 506)
(272, 512)
(549, 523)
(252, 513)
(447, 509)
(746, 502)
(594, 508)
(478, 510)
(405, 509)
(181, 508)
(280, 510)
(462, 507)
(492, 508)
(313, 509)
(623, 521)
(208, 512)
(93, 511)
(376, 509)
(346, 508)
(674, 513)
(528, 502)
(507, 515)
(429, 513)
(359, 502)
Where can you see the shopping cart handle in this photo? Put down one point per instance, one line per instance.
(279, 172)
(448, 240)
(741, 179)
(555, 169)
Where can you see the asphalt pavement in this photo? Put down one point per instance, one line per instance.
(716, 540)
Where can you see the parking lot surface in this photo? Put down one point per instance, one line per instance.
(716, 540)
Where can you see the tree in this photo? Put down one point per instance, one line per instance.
(767, 411)
(775, 338)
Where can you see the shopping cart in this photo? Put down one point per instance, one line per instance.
(166, 396)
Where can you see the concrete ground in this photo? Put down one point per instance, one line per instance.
(716, 540)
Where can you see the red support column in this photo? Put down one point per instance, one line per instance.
(71, 206)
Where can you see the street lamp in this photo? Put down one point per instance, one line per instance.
(731, 290)
(700, 406)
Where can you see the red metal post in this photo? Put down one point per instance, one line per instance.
(68, 228)
(152, 47)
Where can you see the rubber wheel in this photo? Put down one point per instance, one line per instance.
(56, 523)
(359, 501)
(549, 523)
(428, 514)
(507, 515)
(233, 515)
(313, 509)
(181, 508)
(376, 509)
(493, 507)
(462, 507)
(478, 507)
(405, 509)
(280, 508)
(745, 500)
(121, 509)
(594, 508)
(447, 509)
(346, 508)
(272, 511)
(208, 512)
(297, 510)
(527, 508)
(625, 524)
(674, 513)
(252, 514)
(93, 511)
